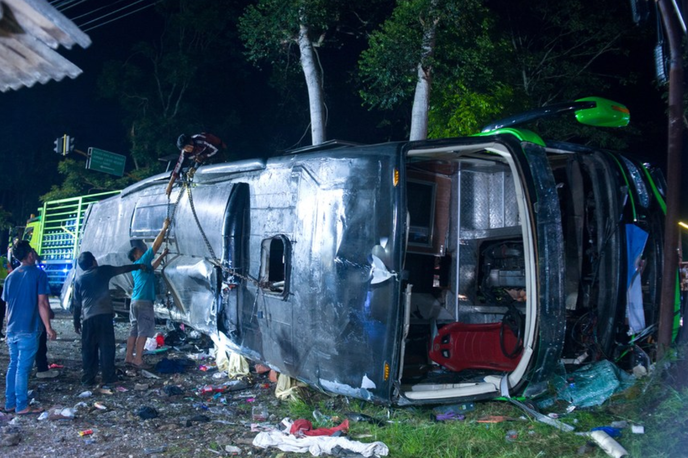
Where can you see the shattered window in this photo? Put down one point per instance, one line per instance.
(147, 220)
(275, 265)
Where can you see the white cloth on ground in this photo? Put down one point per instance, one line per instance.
(317, 445)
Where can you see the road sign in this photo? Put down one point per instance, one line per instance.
(105, 161)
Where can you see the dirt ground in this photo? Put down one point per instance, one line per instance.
(189, 423)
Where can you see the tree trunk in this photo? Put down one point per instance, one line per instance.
(314, 83)
(421, 102)
(421, 99)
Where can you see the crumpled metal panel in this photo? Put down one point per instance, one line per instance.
(190, 275)
(333, 213)
(196, 306)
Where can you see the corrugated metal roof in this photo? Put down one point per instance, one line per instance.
(30, 32)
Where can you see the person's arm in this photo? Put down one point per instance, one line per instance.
(119, 270)
(44, 310)
(76, 309)
(159, 259)
(161, 236)
(175, 172)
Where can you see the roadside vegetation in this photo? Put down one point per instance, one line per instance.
(658, 403)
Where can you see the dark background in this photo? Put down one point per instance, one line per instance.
(32, 118)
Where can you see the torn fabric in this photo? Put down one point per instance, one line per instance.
(317, 445)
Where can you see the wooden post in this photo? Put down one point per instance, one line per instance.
(674, 151)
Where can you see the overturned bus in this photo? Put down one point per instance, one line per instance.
(408, 272)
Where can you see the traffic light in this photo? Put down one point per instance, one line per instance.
(64, 145)
(59, 145)
(69, 144)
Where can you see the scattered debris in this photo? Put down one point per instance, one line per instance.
(147, 374)
(138, 415)
(495, 419)
(608, 444)
(452, 412)
(232, 449)
(147, 413)
(638, 429)
(316, 445)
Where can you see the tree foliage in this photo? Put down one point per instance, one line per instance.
(165, 87)
(270, 28)
(561, 51)
(80, 181)
(289, 36)
(158, 84)
(463, 50)
(499, 57)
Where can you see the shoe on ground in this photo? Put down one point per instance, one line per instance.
(47, 374)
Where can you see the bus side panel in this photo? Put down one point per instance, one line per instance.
(332, 325)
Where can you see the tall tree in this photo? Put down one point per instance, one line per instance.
(276, 30)
(282, 32)
(403, 62)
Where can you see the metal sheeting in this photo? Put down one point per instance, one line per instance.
(30, 31)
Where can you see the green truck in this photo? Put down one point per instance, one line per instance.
(55, 234)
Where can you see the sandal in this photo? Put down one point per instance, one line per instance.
(3, 410)
(30, 411)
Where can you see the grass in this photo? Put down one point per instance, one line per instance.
(413, 432)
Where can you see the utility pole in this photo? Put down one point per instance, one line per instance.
(674, 151)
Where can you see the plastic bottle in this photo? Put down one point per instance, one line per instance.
(609, 445)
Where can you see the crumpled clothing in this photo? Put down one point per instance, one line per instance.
(287, 387)
(147, 413)
(304, 427)
(317, 445)
(171, 366)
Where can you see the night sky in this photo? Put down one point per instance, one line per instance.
(32, 118)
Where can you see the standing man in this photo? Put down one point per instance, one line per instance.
(141, 313)
(92, 295)
(28, 311)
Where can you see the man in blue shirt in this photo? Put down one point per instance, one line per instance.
(141, 313)
(26, 293)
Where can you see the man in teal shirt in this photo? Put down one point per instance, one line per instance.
(141, 313)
